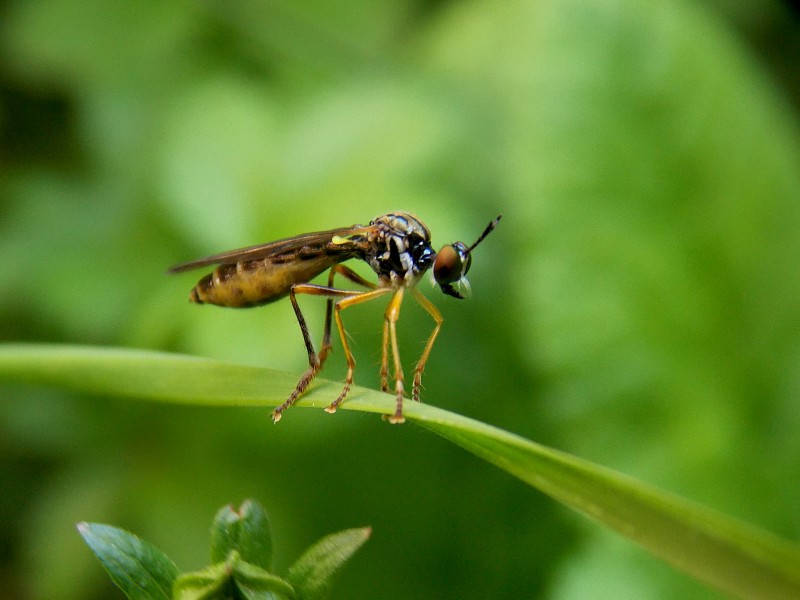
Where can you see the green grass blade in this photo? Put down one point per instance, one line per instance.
(735, 557)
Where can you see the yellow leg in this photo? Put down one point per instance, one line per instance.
(314, 360)
(423, 359)
(337, 301)
(351, 363)
(385, 357)
(348, 273)
(390, 322)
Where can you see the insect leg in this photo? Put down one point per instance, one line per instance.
(352, 300)
(314, 361)
(326, 332)
(356, 278)
(390, 320)
(423, 359)
(348, 273)
(385, 357)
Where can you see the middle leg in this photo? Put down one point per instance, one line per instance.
(347, 273)
(339, 306)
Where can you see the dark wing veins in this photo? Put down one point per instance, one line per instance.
(344, 243)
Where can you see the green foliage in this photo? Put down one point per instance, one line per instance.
(246, 532)
(739, 559)
(144, 573)
(139, 569)
(311, 574)
(637, 306)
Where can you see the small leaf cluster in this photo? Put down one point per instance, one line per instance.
(241, 556)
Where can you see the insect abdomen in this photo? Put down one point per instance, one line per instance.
(256, 282)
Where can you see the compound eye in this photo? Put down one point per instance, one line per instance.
(451, 264)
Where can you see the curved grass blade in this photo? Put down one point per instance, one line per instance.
(735, 557)
(730, 555)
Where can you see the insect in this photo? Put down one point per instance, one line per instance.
(398, 248)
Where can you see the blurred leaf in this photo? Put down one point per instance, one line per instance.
(256, 584)
(646, 295)
(735, 557)
(311, 574)
(209, 583)
(218, 581)
(88, 41)
(246, 531)
(139, 569)
(220, 139)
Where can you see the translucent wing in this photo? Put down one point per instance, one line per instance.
(334, 242)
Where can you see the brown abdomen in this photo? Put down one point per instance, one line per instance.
(251, 283)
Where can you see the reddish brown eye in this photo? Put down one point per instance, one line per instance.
(451, 264)
(446, 267)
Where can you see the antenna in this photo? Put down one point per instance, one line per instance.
(486, 232)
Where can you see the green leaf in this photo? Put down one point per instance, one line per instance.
(211, 582)
(233, 578)
(735, 557)
(312, 573)
(139, 569)
(246, 531)
(255, 583)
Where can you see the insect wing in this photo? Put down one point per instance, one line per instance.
(345, 240)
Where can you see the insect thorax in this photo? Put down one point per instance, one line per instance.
(399, 248)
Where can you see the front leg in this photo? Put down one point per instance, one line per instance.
(423, 359)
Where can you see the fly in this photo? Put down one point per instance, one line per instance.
(398, 248)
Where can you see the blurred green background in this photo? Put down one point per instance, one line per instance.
(639, 304)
